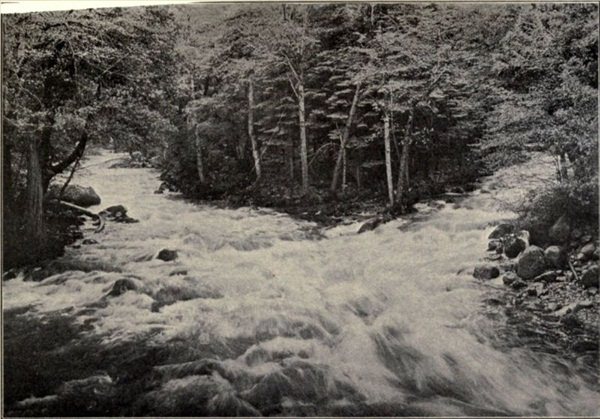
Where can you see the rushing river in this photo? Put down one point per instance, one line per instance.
(259, 315)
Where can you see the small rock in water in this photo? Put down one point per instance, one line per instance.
(167, 255)
(486, 272)
(369, 225)
(179, 272)
(518, 284)
(501, 230)
(585, 346)
(592, 291)
(590, 277)
(531, 263)
(509, 278)
(121, 286)
(89, 241)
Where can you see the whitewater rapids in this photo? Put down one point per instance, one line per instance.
(259, 316)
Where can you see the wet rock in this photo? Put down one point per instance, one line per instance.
(531, 263)
(509, 278)
(494, 244)
(162, 188)
(513, 246)
(89, 241)
(561, 230)
(592, 290)
(590, 277)
(586, 239)
(501, 230)
(486, 272)
(518, 284)
(549, 276)
(117, 213)
(555, 256)
(588, 251)
(369, 225)
(167, 255)
(76, 194)
(576, 234)
(573, 308)
(121, 286)
(179, 272)
(11, 274)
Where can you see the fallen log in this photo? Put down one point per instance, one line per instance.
(98, 217)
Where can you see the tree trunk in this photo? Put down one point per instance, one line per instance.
(344, 169)
(344, 139)
(7, 173)
(388, 158)
(564, 173)
(255, 153)
(199, 159)
(303, 146)
(403, 169)
(36, 235)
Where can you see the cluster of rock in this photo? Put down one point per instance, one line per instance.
(136, 161)
(561, 277)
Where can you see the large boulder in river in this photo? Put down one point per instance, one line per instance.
(76, 194)
(501, 230)
(531, 263)
(561, 230)
(117, 213)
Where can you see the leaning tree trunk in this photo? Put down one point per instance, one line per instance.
(199, 158)
(303, 145)
(388, 158)
(35, 231)
(344, 139)
(255, 153)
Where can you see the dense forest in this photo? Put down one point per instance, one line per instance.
(287, 105)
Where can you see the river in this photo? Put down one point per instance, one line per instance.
(259, 315)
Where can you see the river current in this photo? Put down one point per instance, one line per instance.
(260, 315)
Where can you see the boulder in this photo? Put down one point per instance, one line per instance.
(486, 272)
(531, 263)
(501, 230)
(588, 251)
(121, 286)
(513, 246)
(561, 230)
(167, 255)
(555, 256)
(79, 195)
(590, 277)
